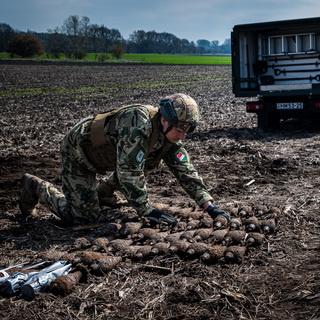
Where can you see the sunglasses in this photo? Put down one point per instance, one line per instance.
(186, 127)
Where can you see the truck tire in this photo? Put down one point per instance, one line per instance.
(268, 120)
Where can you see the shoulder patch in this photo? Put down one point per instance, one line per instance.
(182, 157)
(140, 156)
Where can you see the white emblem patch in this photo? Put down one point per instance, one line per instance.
(140, 156)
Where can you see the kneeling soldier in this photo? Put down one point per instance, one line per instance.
(130, 141)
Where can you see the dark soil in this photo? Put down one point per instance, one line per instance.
(241, 165)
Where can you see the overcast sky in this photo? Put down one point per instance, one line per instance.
(186, 19)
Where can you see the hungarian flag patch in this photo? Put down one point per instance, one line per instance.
(182, 157)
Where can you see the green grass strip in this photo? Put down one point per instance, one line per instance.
(145, 58)
(177, 59)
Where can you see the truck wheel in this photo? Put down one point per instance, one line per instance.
(267, 120)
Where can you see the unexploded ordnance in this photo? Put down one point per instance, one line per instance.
(100, 244)
(196, 249)
(235, 223)
(268, 226)
(255, 239)
(187, 235)
(203, 234)
(252, 224)
(119, 244)
(220, 222)
(104, 265)
(160, 248)
(64, 284)
(180, 226)
(129, 228)
(81, 243)
(213, 253)
(234, 237)
(179, 247)
(235, 254)
(218, 235)
(147, 233)
(143, 252)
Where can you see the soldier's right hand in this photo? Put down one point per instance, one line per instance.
(214, 212)
(158, 216)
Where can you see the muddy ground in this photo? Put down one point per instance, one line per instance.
(241, 165)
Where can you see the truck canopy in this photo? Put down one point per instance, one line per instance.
(276, 58)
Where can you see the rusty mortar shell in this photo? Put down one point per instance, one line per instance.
(196, 249)
(63, 285)
(234, 237)
(203, 234)
(218, 235)
(252, 224)
(268, 226)
(179, 247)
(160, 248)
(104, 265)
(213, 253)
(255, 239)
(235, 254)
(220, 222)
(130, 228)
(143, 252)
(235, 223)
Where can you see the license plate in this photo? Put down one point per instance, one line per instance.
(290, 105)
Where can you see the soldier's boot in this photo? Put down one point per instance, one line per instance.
(107, 197)
(29, 194)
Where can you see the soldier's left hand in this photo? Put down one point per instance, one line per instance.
(161, 217)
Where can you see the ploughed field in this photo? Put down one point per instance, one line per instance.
(201, 269)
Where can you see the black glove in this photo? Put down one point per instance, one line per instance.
(161, 217)
(214, 212)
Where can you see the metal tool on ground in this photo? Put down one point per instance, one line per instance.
(41, 280)
(5, 273)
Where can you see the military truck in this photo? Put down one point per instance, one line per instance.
(278, 63)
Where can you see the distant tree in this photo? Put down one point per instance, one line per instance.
(205, 44)
(215, 44)
(84, 26)
(192, 48)
(153, 42)
(78, 34)
(54, 44)
(117, 51)
(60, 43)
(25, 45)
(102, 38)
(137, 39)
(6, 33)
(113, 36)
(201, 50)
(226, 47)
(187, 47)
(71, 26)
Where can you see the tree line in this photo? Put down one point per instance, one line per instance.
(78, 35)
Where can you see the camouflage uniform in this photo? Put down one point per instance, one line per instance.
(128, 134)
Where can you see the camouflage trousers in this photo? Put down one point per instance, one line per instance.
(78, 203)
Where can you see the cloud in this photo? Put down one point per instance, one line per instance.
(189, 19)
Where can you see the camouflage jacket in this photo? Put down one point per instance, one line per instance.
(128, 153)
